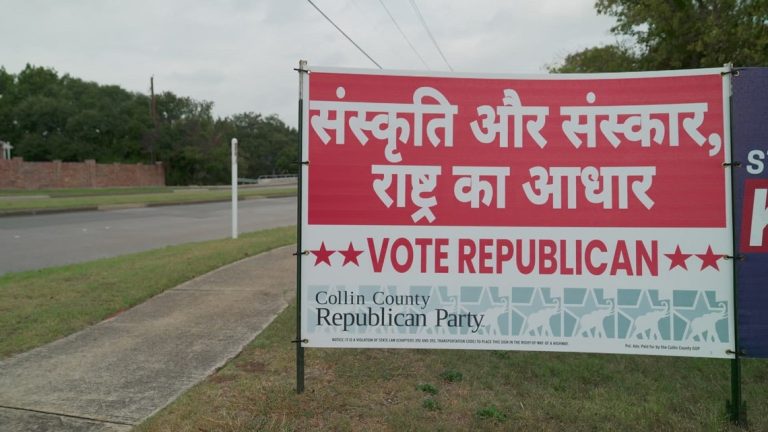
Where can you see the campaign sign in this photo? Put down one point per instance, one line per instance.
(750, 145)
(584, 213)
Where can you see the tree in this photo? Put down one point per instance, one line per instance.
(7, 90)
(677, 34)
(609, 58)
(267, 145)
(47, 117)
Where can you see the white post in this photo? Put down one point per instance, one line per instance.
(234, 188)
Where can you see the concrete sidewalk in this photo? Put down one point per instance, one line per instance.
(113, 375)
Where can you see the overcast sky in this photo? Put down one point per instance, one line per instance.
(240, 54)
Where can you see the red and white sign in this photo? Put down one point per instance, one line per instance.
(565, 213)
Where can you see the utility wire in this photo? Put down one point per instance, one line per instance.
(413, 48)
(424, 23)
(345, 35)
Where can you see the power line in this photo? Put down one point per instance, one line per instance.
(413, 48)
(424, 23)
(345, 35)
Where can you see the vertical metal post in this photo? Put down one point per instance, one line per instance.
(299, 348)
(234, 188)
(736, 408)
(736, 405)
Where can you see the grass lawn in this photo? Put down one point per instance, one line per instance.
(376, 389)
(433, 390)
(59, 193)
(37, 307)
(91, 198)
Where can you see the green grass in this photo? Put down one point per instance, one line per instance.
(37, 307)
(84, 198)
(58, 193)
(383, 390)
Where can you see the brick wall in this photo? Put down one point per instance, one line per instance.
(18, 174)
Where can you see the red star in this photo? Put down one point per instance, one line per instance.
(322, 255)
(350, 255)
(678, 259)
(709, 259)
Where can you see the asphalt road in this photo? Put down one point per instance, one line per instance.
(34, 242)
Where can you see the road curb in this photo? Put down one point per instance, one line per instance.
(107, 207)
(33, 212)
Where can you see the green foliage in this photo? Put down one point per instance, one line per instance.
(267, 145)
(427, 388)
(491, 413)
(430, 404)
(680, 34)
(47, 117)
(609, 58)
(451, 376)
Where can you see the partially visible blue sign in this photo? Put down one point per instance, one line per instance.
(749, 122)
